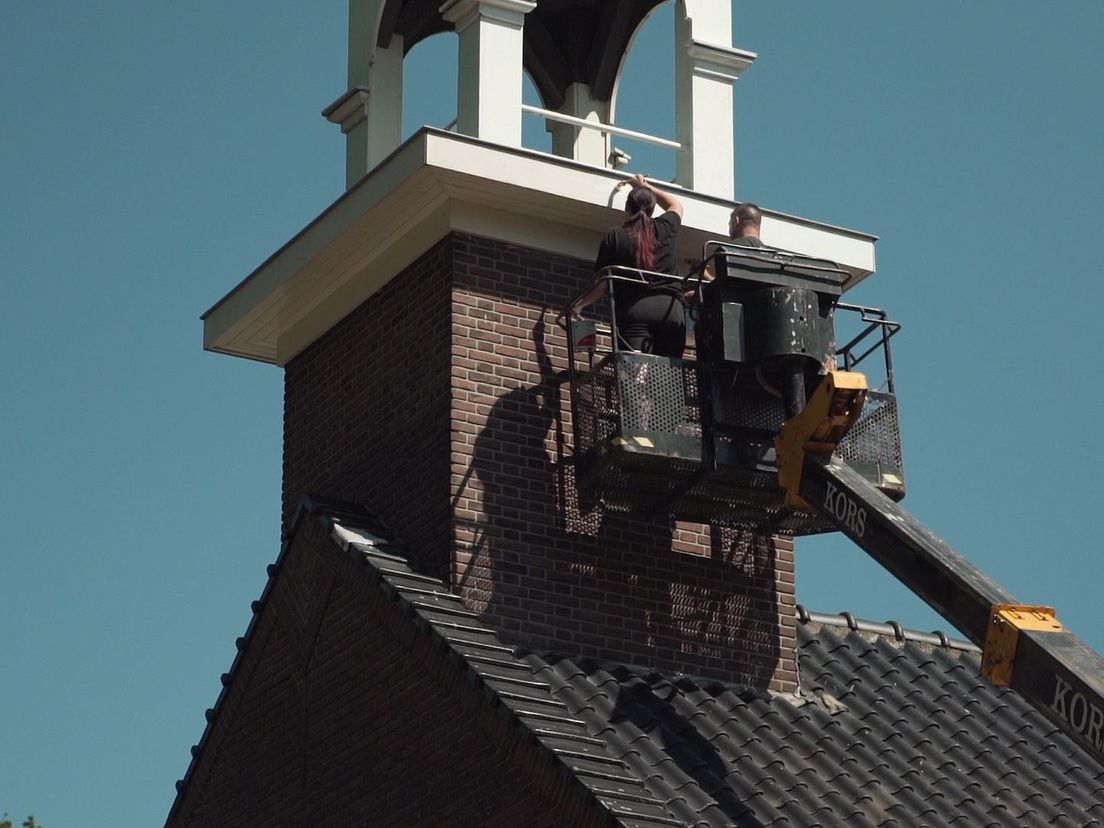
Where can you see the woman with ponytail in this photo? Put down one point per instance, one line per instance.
(651, 314)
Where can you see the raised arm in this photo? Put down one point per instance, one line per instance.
(667, 202)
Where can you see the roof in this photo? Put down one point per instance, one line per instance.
(890, 727)
(886, 731)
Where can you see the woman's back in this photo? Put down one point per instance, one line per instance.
(617, 249)
(649, 314)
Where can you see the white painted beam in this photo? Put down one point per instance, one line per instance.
(488, 104)
(706, 67)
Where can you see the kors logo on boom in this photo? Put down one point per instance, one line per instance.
(845, 510)
(1083, 716)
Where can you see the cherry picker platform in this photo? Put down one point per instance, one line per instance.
(695, 436)
(763, 429)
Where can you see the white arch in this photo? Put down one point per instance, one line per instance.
(370, 112)
(489, 83)
(705, 67)
(649, 57)
(437, 56)
(624, 58)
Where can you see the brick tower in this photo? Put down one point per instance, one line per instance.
(416, 323)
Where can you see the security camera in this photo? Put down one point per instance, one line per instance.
(618, 158)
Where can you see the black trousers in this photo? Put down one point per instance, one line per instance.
(653, 323)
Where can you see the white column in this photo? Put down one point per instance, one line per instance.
(488, 104)
(706, 67)
(590, 146)
(370, 113)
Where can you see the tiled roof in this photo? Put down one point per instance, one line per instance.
(885, 732)
(890, 728)
(523, 696)
(460, 642)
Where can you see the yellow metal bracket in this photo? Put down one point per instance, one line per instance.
(1005, 623)
(831, 409)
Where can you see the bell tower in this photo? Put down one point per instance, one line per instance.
(574, 52)
(426, 374)
(448, 522)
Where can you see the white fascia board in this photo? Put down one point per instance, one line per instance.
(853, 251)
(231, 325)
(439, 182)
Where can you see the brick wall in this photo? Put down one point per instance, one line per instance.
(366, 410)
(466, 336)
(329, 720)
(640, 590)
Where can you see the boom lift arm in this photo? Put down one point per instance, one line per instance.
(1024, 647)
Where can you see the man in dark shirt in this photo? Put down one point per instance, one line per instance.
(744, 225)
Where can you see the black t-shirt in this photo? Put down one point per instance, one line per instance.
(746, 241)
(617, 249)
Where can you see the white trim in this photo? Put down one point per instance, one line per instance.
(437, 182)
(462, 13)
(598, 125)
(348, 110)
(725, 62)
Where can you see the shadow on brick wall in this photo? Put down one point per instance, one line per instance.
(550, 572)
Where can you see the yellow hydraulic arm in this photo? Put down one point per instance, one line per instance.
(1024, 647)
(826, 418)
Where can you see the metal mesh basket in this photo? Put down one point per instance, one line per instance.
(639, 393)
(876, 436)
(638, 443)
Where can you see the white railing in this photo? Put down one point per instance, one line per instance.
(598, 125)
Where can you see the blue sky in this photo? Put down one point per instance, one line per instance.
(153, 153)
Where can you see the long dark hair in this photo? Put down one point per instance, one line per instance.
(638, 226)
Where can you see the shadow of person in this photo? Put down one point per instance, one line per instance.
(509, 494)
(529, 540)
(547, 573)
(655, 706)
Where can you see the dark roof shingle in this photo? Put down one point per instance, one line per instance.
(889, 728)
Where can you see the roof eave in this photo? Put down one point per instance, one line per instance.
(438, 182)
